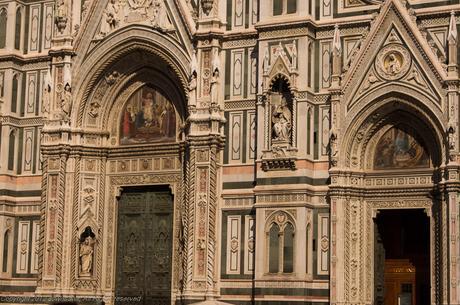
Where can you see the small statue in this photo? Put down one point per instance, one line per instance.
(214, 87)
(215, 78)
(160, 16)
(66, 102)
(281, 121)
(266, 61)
(394, 66)
(294, 57)
(192, 90)
(46, 99)
(87, 241)
(61, 16)
(193, 79)
(451, 137)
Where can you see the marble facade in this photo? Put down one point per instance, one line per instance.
(280, 128)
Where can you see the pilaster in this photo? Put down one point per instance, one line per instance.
(204, 142)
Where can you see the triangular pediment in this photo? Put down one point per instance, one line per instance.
(394, 63)
(280, 66)
(394, 50)
(106, 18)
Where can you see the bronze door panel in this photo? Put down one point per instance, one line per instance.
(144, 248)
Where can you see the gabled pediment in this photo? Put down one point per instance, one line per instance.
(394, 51)
(393, 62)
(106, 18)
(280, 66)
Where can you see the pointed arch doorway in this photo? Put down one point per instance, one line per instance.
(144, 246)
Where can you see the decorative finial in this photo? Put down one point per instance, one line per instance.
(216, 61)
(452, 28)
(337, 44)
(193, 64)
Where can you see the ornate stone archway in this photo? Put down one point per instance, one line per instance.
(358, 191)
(87, 162)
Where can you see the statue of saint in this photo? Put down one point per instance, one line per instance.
(281, 121)
(66, 102)
(192, 90)
(86, 256)
(46, 98)
(215, 87)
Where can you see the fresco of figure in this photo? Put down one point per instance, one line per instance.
(148, 116)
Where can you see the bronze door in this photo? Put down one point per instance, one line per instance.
(144, 248)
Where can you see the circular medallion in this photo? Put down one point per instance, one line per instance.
(393, 62)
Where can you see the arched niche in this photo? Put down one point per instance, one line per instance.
(148, 116)
(281, 103)
(129, 53)
(127, 79)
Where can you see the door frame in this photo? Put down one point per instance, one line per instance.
(406, 204)
(147, 190)
(115, 186)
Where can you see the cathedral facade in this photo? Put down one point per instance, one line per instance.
(229, 152)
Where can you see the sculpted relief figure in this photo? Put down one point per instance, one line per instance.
(394, 66)
(110, 17)
(281, 121)
(160, 17)
(61, 16)
(121, 12)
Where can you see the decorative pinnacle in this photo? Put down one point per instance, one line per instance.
(452, 28)
(337, 44)
(193, 63)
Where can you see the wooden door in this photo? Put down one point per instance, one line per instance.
(144, 248)
(399, 282)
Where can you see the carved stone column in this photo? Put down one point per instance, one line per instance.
(204, 143)
(52, 220)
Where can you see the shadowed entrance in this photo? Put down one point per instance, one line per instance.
(402, 257)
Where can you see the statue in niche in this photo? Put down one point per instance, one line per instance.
(281, 121)
(46, 96)
(451, 137)
(66, 102)
(148, 117)
(215, 78)
(192, 89)
(87, 241)
(215, 87)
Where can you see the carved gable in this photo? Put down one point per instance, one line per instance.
(394, 62)
(162, 17)
(390, 54)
